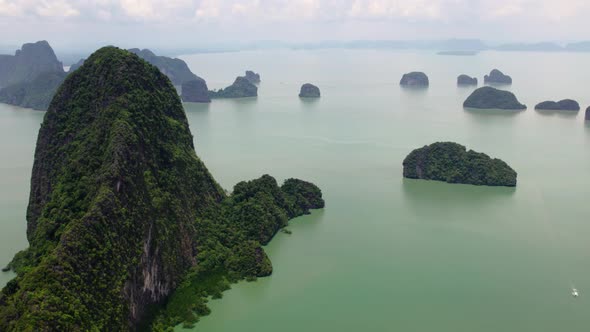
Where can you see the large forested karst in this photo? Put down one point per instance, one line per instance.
(176, 69)
(31, 76)
(27, 63)
(122, 212)
(451, 162)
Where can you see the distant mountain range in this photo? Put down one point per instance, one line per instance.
(450, 45)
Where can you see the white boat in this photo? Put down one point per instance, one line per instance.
(575, 292)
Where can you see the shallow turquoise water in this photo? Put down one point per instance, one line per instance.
(387, 253)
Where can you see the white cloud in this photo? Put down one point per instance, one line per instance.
(392, 9)
(138, 8)
(56, 8)
(477, 18)
(8, 8)
(208, 9)
(290, 10)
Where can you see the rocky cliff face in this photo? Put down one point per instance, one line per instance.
(27, 63)
(195, 91)
(115, 190)
(253, 77)
(466, 80)
(176, 69)
(35, 94)
(497, 77)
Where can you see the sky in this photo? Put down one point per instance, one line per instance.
(196, 23)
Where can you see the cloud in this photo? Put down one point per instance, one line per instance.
(290, 10)
(138, 8)
(56, 8)
(8, 8)
(208, 9)
(325, 19)
(384, 9)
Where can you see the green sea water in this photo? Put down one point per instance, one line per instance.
(387, 254)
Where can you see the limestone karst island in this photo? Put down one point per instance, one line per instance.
(122, 209)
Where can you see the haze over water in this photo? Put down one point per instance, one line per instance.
(386, 253)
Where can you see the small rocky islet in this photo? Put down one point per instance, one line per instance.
(466, 80)
(309, 90)
(491, 98)
(562, 105)
(414, 79)
(587, 117)
(240, 88)
(497, 77)
(453, 163)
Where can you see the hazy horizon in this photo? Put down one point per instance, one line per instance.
(75, 25)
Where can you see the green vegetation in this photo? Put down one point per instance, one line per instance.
(452, 163)
(229, 241)
(241, 88)
(35, 94)
(491, 98)
(76, 65)
(122, 212)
